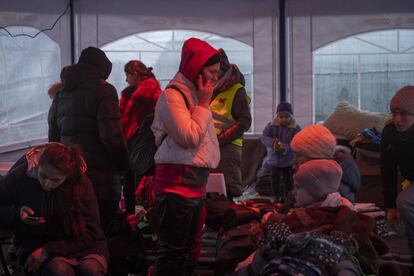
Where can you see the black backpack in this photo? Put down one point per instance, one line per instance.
(141, 146)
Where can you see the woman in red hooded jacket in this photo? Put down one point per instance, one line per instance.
(137, 101)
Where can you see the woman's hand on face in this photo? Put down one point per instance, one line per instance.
(35, 260)
(204, 92)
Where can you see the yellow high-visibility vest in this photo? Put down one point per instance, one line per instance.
(221, 108)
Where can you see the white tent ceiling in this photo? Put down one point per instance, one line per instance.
(310, 24)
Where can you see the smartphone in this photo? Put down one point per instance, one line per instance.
(38, 219)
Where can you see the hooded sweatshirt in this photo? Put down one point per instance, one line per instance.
(186, 136)
(194, 54)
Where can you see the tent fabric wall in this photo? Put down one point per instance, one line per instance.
(310, 25)
(40, 15)
(25, 76)
(313, 24)
(251, 22)
(99, 22)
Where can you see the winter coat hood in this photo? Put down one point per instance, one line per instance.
(195, 53)
(230, 78)
(97, 58)
(276, 122)
(92, 65)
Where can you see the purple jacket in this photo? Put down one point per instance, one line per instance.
(285, 135)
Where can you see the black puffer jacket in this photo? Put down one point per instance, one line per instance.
(86, 113)
(397, 155)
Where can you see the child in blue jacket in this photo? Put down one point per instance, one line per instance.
(277, 136)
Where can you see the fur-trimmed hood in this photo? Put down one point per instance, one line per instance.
(276, 122)
(230, 78)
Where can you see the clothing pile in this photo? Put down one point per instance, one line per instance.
(318, 241)
(382, 227)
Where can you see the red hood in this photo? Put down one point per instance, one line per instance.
(194, 55)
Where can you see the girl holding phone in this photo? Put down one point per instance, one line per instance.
(51, 208)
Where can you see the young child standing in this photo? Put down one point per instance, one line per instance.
(277, 136)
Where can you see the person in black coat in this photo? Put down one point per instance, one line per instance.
(49, 204)
(397, 155)
(85, 113)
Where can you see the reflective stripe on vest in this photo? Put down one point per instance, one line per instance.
(221, 108)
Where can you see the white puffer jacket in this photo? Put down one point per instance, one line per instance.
(190, 138)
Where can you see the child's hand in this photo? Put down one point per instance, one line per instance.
(278, 146)
(275, 143)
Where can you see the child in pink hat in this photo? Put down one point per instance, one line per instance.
(316, 183)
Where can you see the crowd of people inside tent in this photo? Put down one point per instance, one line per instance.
(62, 199)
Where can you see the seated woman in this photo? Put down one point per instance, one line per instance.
(51, 207)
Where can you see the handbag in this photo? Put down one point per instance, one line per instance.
(238, 215)
(235, 245)
(142, 148)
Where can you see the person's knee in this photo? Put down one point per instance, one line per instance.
(57, 268)
(91, 268)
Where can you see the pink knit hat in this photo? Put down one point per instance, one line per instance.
(403, 100)
(319, 177)
(315, 142)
